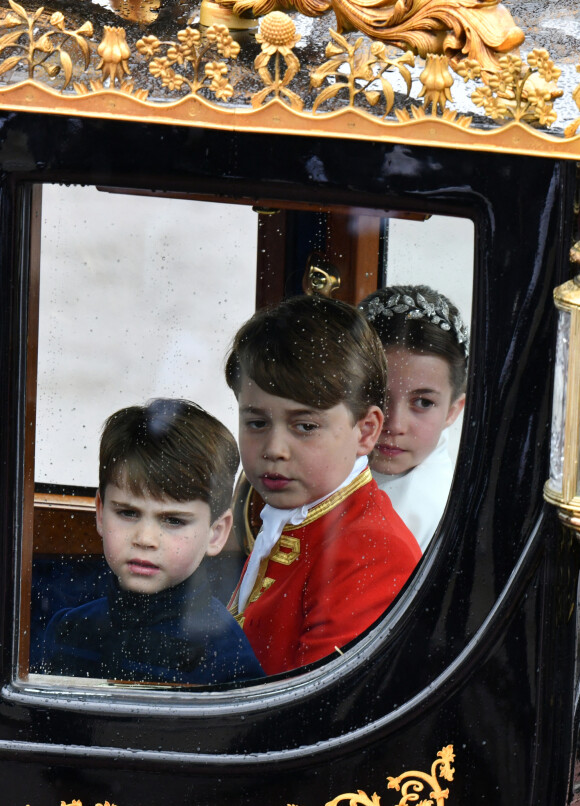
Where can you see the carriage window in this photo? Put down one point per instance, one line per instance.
(136, 298)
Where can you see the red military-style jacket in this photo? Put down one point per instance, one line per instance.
(329, 578)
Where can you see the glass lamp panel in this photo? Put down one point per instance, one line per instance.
(559, 402)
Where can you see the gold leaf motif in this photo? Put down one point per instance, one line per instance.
(359, 68)
(42, 47)
(483, 30)
(114, 52)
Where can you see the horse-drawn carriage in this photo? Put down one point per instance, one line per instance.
(165, 169)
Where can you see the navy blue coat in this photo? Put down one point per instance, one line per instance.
(180, 635)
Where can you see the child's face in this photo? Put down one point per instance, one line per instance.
(151, 545)
(293, 454)
(419, 407)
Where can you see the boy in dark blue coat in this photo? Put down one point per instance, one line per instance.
(165, 483)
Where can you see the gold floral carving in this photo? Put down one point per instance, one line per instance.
(114, 52)
(517, 91)
(410, 784)
(277, 37)
(367, 65)
(42, 50)
(571, 130)
(437, 82)
(190, 53)
(50, 64)
(481, 30)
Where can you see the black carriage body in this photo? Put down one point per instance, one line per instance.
(479, 650)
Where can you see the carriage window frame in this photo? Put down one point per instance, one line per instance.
(254, 694)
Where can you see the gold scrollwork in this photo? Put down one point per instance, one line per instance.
(79, 803)
(42, 47)
(190, 52)
(475, 29)
(414, 781)
(410, 784)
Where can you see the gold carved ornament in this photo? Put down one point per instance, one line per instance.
(571, 130)
(367, 64)
(475, 29)
(277, 37)
(411, 784)
(355, 76)
(79, 803)
(47, 48)
(517, 91)
(190, 54)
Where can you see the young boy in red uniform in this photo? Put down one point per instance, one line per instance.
(332, 554)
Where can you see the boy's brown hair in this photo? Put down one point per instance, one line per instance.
(169, 448)
(317, 351)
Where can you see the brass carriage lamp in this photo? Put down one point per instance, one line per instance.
(563, 486)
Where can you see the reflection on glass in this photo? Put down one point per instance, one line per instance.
(166, 475)
(140, 298)
(559, 401)
(331, 555)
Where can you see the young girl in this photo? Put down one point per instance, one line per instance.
(426, 345)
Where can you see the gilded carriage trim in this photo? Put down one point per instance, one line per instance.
(277, 118)
(50, 65)
(179, 63)
(473, 29)
(414, 781)
(410, 784)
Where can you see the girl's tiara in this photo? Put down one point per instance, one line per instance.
(436, 312)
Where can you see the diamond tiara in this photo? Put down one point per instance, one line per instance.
(436, 312)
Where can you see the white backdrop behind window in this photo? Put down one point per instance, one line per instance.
(139, 297)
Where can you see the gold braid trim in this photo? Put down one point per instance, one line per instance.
(337, 498)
